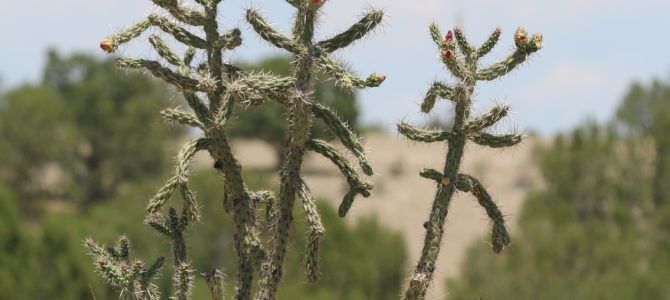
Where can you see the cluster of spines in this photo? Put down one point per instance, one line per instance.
(461, 59)
(309, 57)
(132, 277)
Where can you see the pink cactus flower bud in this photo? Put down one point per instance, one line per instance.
(448, 54)
(520, 36)
(449, 38)
(107, 45)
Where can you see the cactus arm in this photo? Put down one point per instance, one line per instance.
(356, 185)
(466, 48)
(342, 77)
(215, 283)
(181, 176)
(178, 80)
(344, 133)
(488, 45)
(164, 51)
(437, 89)
(355, 32)
(180, 34)
(266, 32)
(182, 117)
(431, 174)
(503, 67)
(421, 135)
(455, 65)
(303, 25)
(182, 281)
(525, 47)
(314, 234)
(487, 120)
(436, 35)
(255, 88)
(499, 236)
(182, 13)
(184, 69)
(131, 277)
(496, 141)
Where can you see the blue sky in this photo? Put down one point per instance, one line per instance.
(593, 49)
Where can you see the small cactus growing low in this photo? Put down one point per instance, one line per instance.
(224, 86)
(463, 64)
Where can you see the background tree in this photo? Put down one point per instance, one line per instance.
(593, 232)
(82, 124)
(269, 121)
(644, 111)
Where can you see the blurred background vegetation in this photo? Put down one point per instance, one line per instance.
(600, 226)
(82, 151)
(80, 154)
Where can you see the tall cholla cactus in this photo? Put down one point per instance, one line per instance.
(310, 56)
(224, 85)
(464, 66)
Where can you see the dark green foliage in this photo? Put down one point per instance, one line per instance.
(47, 261)
(31, 118)
(93, 112)
(594, 231)
(268, 122)
(644, 111)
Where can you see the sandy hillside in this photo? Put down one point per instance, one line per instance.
(402, 199)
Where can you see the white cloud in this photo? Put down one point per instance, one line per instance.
(567, 79)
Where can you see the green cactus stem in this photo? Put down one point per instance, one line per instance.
(224, 86)
(309, 57)
(463, 64)
(131, 277)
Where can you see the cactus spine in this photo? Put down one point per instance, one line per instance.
(308, 58)
(464, 66)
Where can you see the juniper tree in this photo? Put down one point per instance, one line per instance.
(463, 64)
(211, 89)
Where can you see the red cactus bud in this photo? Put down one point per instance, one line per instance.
(107, 45)
(449, 38)
(380, 77)
(315, 1)
(448, 54)
(520, 36)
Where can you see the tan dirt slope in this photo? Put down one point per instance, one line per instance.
(402, 199)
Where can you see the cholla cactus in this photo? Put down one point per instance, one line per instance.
(465, 67)
(226, 85)
(310, 56)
